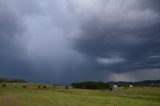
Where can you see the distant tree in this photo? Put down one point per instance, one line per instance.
(44, 86)
(126, 86)
(3, 85)
(39, 86)
(54, 86)
(24, 86)
(110, 88)
(66, 87)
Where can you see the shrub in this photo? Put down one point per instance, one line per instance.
(125, 87)
(110, 88)
(66, 87)
(4, 85)
(54, 86)
(44, 86)
(39, 86)
(24, 86)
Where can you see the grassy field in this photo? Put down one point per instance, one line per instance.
(16, 95)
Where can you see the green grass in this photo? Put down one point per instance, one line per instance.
(16, 95)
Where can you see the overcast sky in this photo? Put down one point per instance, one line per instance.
(65, 41)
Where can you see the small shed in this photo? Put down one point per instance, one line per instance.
(131, 86)
(115, 86)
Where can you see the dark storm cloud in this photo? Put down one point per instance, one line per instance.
(119, 37)
(62, 41)
(150, 3)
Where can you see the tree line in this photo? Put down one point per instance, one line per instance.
(91, 85)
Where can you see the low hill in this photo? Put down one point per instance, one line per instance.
(11, 80)
(150, 83)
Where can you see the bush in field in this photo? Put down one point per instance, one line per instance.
(66, 87)
(24, 86)
(54, 86)
(44, 86)
(126, 87)
(4, 85)
(110, 88)
(39, 86)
